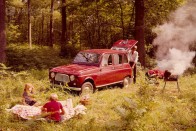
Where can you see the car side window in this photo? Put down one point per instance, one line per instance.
(125, 59)
(110, 60)
(117, 59)
(106, 60)
(120, 59)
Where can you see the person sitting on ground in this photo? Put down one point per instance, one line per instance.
(54, 109)
(28, 95)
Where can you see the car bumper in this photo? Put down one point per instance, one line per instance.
(66, 87)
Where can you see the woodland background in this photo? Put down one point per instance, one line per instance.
(73, 25)
(38, 34)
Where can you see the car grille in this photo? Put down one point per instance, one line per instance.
(62, 77)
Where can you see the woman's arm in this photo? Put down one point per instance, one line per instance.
(62, 111)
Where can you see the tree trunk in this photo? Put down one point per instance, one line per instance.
(130, 30)
(2, 32)
(97, 43)
(19, 18)
(139, 29)
(64, 51)
(42, 30)
(20, 14)
(51, 23)
(122, 21)
(47, 33)
(29, 24)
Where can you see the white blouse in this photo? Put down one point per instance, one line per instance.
(133, 57)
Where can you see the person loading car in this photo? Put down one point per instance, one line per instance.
(133, 58)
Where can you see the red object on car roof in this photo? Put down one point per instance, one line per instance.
(124, 44)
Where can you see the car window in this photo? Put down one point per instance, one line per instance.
(86, 57)
(125, 59)
(119, 48)
(110, 60)
(117, 59)
(106, 60)
(120, 59)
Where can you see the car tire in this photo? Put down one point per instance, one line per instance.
(126, 82)
(87, 88)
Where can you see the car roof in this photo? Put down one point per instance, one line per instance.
(101, 51)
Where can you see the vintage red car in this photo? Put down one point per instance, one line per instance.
(95, 68)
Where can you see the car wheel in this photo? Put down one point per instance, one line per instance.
(126, 82)
(87, 88)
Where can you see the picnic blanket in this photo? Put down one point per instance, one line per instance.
(32, 112)
(26, 112)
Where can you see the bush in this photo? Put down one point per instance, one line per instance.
(12, 33)
(21, 57)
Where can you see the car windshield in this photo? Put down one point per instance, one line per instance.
(86, 58)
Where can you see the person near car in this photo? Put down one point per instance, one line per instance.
(133, 58)
(54, 109)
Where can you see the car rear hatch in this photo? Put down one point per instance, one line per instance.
(124, 45)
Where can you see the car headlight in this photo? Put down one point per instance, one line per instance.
(52, 75)
(72, 77)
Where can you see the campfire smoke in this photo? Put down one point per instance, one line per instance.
(174, 39)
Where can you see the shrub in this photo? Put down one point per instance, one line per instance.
(23, 58)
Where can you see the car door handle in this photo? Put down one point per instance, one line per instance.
(113, 68)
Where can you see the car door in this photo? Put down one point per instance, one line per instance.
(106, 74)
(121, 66)
(118, 67)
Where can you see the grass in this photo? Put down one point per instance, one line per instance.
(140, 107)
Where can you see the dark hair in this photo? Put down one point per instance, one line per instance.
(134, 47)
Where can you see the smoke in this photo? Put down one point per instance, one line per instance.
(174, 39)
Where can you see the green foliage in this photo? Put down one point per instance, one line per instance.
(130, 113)
(57, 15)
(16, 3)
(73, 46)
(90, 24)
(152, 110)
(12, 33)
(191, 70)
(21, 57)
(150, 62)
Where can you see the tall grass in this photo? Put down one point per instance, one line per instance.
(141, 107)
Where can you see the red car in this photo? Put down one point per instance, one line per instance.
(95, 68)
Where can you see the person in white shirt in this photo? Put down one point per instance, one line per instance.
(133, 58)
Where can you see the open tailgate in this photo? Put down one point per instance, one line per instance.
(124, 45)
